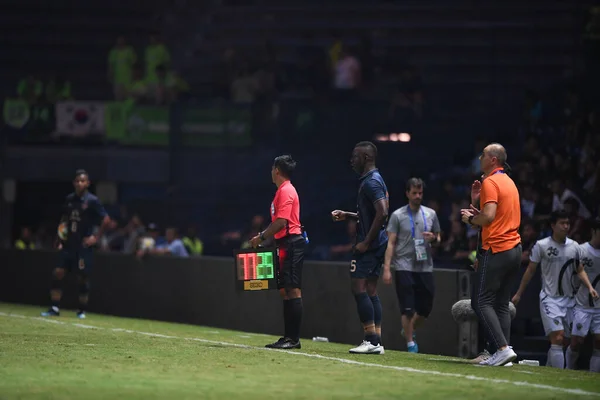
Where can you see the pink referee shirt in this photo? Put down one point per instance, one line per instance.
(286, 205)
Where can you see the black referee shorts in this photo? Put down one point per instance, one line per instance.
(291, 259)
(415, 292)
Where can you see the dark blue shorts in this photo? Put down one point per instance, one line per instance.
(368, 264)
(415, 291)
(76, 260)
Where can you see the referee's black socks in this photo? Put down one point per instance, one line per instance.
(287, 313)
(292, 314)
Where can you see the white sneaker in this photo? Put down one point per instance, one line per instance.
(509, 364)
(367, 348)
(502, 357)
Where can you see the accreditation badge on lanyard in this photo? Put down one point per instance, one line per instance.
(420, 247)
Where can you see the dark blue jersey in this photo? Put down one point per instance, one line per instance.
(372, 189)
(81, 214)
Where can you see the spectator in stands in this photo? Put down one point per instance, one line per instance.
(192, 243)
(132, 232)
(528, 201)
(590, 174)
(529, 236)
(42, 239)
(138, 90)
(58, 89)
(156, 54)
(242, 237)
(346, 73)
(121, 60)
(162, 91)
(456, 246)
(244, 86)
(30, 89)
(25, 240)
(174, 246)
(578, 228)
(109, 241)
(561, 194)
(335, 50)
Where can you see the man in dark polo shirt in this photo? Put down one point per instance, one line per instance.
(371, 243)
(285, 227)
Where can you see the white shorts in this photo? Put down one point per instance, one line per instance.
(557, 314)
(586, 320)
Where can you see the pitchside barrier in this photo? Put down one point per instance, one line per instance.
(202, 291)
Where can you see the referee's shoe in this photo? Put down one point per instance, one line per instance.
(285, 343)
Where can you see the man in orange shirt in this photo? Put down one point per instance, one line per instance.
(500, 255)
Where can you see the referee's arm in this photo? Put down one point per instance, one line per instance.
(271, 230)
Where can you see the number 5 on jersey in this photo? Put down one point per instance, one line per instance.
(353, 266)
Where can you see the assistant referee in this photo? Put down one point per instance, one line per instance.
(500, 255)
(285, 227)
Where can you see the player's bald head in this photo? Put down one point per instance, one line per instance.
(498, 151)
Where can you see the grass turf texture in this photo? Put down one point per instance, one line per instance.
(110, 357)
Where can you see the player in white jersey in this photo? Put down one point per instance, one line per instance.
(586, 315)
(559, 258)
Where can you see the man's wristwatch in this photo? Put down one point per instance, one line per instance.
(262, 236)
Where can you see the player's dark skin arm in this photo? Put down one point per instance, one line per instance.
(103, 226)
(91, 240)
(381, 214)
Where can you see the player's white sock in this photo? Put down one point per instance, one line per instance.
(572, 357)
(411, 343)
(557, 356)
(595, 361)
(549, 358)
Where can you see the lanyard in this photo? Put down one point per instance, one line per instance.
(412, 222)
(498, 171)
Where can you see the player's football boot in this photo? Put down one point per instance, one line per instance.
(367, 347)
(285, 343)
(52, 312)
(81, 315)
(273, 345)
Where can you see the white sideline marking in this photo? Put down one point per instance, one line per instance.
(340, 360)
(47, 319)
(85, 326)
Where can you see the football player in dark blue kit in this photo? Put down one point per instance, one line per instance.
(82, 211)
(371, 243)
